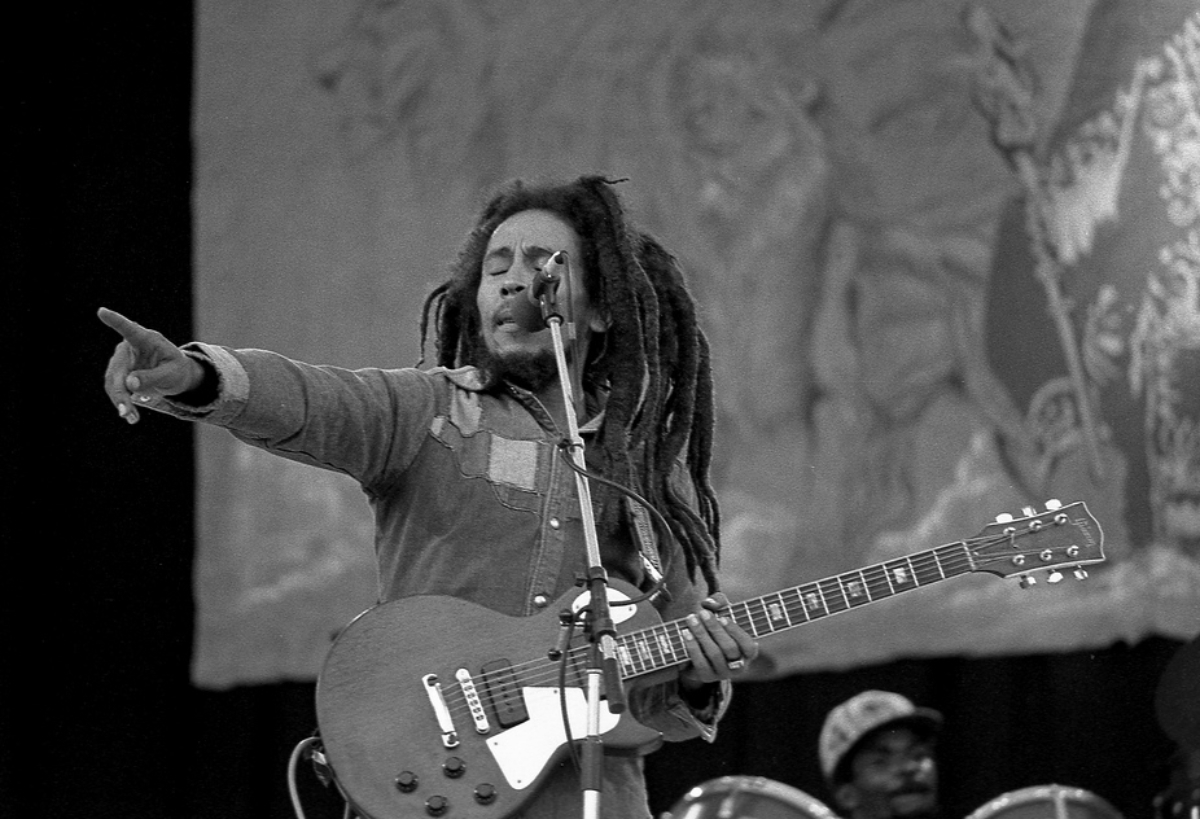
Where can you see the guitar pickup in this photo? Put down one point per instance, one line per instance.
(434, 690)
(503, 694)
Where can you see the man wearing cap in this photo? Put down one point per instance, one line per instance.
(877, 754)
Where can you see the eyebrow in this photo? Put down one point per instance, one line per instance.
(506, 252)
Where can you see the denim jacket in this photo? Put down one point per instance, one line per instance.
(470, 499)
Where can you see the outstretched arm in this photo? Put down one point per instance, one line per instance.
(145, 365)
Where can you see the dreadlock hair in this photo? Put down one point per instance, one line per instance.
(654, 362)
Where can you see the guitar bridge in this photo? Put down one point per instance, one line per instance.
(473, 702)
(434, 690)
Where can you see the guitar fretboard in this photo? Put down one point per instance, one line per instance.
(662, 646)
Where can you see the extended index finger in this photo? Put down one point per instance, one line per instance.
(129, 329)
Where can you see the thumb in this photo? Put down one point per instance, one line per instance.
(166, 378)
(717, 601)
(169, 374)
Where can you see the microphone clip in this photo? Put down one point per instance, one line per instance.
(544, 289)
(534, 308)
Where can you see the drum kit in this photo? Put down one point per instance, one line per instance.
(754, 797)
(748, 797)
(1176, 704)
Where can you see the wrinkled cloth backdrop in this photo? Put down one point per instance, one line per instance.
(851, 190)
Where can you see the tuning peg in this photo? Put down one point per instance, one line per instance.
(1004, 517)
(1080, 573)
(1054, 577)
(1028, 511)
(1053, 504)
(1026, 581)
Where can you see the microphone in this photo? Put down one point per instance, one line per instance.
(539, 301)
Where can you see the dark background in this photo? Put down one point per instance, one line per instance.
(99, 717)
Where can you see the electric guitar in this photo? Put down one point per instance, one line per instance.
(433, 706)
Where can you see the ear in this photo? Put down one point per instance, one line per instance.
(847, 797)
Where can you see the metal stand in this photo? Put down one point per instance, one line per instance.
(604, 671)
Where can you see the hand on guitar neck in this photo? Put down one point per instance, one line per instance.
(719, 648)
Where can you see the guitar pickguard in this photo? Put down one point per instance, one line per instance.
(522, 752)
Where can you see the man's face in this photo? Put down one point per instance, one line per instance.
(519, 246)
(893, 774)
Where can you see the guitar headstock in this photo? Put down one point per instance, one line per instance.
(1060, 537)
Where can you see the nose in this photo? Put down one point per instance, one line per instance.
(919, 766)
(511, 287)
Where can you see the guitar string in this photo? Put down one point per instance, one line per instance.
(540, 671)
(953, 562)
(545, 672)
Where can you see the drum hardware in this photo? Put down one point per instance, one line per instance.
(1047, 802)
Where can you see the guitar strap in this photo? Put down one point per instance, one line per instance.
(643, 533)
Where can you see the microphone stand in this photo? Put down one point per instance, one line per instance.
(603, 670)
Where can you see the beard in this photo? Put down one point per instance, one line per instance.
(533, 371)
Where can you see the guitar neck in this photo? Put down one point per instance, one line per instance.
(662, 646)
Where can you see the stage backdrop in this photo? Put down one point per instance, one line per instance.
(947, 256)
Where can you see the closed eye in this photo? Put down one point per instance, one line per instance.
(497, 261)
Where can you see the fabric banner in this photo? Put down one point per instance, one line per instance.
(946, 257)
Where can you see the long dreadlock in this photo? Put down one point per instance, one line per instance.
(654, 358)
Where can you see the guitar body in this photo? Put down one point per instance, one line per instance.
(395, 754)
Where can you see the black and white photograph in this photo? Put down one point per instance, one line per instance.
(634, 410)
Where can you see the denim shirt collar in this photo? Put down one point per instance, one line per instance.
(468, 378)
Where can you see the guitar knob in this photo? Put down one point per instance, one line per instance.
(485, 794)
(1028, 511)
(1004, 517)
(454, 767)
(406, 782)
(1054, 577)
(436, 805)
(1026, 581)
(1080, 573)
(1053, 505)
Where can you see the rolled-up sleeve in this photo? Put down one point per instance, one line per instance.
(662, 708)
(233, 388)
